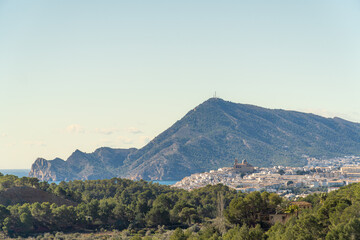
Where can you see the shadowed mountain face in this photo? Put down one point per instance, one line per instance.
(104, 163)
(211, 136)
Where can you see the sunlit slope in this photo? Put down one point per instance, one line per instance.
(215, 132)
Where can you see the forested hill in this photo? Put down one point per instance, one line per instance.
(212, 135)
(334, 216)
(140, 208)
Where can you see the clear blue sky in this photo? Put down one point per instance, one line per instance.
(85, 74)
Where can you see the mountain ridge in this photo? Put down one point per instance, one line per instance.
(214, 133)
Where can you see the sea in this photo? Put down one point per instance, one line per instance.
(25, 172)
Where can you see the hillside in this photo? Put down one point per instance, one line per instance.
(211, 136)
(334, 216)
(24, 194)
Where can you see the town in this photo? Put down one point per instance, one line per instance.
(290, 182)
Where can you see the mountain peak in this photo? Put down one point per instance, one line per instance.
(212, 135)
(212, 101)
(78, 152)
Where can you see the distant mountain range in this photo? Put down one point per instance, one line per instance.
(211, 136)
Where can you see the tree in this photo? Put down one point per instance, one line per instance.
(208, 233)
(237, 212)
(276, 232)
(163, 201)
(120, 216)
(306, 227)
(65, 216)
(8, 226)
(349, 230)
(105, 211)
(323, 197)
(4, 213)
(157, 216)
(26, 221)
(292, 209)
(137, 237)
(93, 209)
(59, 191)
(244, 233)
(275, 200)
(178, 234)
(187, 214)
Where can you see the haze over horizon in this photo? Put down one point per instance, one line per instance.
(82, 75)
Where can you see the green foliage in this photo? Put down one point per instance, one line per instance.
(244, 233)
(334, 216)
(349, 230)
(291, 209)
(4, 213)
(307, 227)
(208, 232)
(8, 181)
(188, 215)
(178, 234)
(248, 209)
(136, 238)
(111, 204)
(276, 232)
(157, 216)
(120, 204)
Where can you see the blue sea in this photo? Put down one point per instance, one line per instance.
(164, 182)
(25, 172)
(17, 172)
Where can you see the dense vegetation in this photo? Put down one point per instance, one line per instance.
(334, 216)
(141, 210)
(134, 205)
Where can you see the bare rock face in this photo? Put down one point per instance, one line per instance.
(101, 164)
(53, 170)
(211, 136)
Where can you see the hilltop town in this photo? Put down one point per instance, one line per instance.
(291, 182)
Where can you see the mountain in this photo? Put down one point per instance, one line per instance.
(211, 136)
(104, 163)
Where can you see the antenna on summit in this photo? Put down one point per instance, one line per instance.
(215, 95)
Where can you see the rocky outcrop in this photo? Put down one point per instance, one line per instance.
(53, 170)
(211, 136)
(104, 163)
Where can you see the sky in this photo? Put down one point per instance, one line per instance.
(87, 74)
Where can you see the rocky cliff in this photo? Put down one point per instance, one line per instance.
(104, 163)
